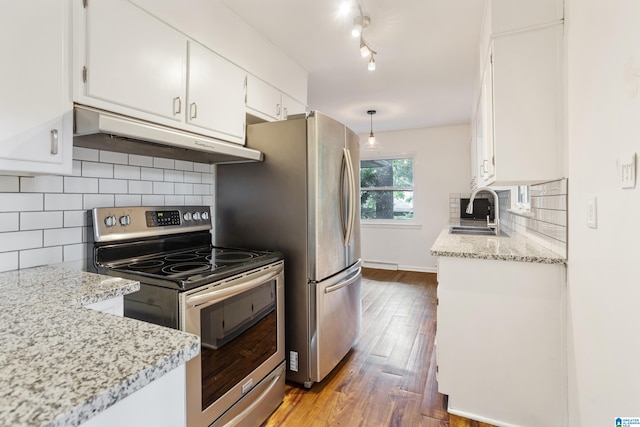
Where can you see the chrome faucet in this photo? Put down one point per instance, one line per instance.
(496, 207)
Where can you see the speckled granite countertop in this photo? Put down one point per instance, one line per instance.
(507, 248)
(60, 363)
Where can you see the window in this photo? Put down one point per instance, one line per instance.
(524, 198)
(386, 188)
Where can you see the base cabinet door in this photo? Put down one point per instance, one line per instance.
(500, 350)
(35, 106)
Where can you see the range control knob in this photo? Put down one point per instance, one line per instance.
(125, 220)
(205, 215)
(187, 216)
(196, 216)
(110, 221)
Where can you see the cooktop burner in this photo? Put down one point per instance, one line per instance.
(203, 264)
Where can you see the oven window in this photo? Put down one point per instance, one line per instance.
(238, 335)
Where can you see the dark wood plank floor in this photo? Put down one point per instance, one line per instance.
(388, 379)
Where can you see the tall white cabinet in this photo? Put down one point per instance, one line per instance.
(520, 94)
(35, 102)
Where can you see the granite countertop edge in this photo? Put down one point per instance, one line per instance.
(501, 248)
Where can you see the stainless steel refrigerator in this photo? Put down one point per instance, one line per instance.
(303, 200)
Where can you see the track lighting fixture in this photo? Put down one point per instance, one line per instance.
(361, 22)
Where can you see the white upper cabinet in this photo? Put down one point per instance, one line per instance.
(268, 103)
(36, 112)
(216, 92)
(520, 100)
(135, 64)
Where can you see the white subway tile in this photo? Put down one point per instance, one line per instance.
(140, 187)
(202, 167)
(151, 174)
(74, 252)
(113, 157)
(20, 240)
(75, 219)
(117, 186)
(19, 202)
(137, 160)
(43, 256)
(97, 170)
(126, 172)
(9, 221)
(152, 200)
(89, 154)
(9, 184)
(193, 200)
(208, 178)
(174, 200)
(8, 261)
(91, 201)
(193, 177)
(173, 176)
(163, 188)
(62, 236)
(128, 200)
(183, 188)
(80, 185)
(161, 163)
(77, 168)
(41, 184)
(40, 220)
(208, 201)
(202, 189)
(63, 202)
(184, 166)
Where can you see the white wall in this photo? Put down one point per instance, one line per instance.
(603, 277)
(441, 166)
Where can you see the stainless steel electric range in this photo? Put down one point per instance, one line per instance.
(232, 298)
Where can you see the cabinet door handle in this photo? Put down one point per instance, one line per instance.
(278, 110)
(285, 113)
(54, 141)
(177, 105)
(485, 169)
(193, 109)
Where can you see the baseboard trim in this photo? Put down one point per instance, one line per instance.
(381, 265)
(418, 269)
(476, 417)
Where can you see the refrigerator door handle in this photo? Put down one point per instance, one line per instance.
(344, 283)
(351, 198)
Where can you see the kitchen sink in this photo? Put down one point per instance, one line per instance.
(474, 230)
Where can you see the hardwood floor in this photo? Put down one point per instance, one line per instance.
(388, 379)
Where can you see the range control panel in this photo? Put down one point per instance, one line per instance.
(129, 222)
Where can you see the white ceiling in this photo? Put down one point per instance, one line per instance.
(427, 50)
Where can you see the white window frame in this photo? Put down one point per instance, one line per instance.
(523, 198)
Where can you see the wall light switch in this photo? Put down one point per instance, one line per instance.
(592, 212)
(628, 171)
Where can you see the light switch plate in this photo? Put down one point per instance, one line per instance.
(592, 212)
(628, 170)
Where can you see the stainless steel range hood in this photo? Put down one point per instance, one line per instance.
(94, 128)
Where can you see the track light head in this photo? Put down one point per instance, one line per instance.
(359, 23)
(372, 63)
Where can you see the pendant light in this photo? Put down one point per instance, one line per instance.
(372, 144)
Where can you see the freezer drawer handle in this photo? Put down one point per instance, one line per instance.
(341, 285)
(221, 294)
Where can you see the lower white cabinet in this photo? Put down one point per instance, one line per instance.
(36, 111)
(501, 341)
(160, 403)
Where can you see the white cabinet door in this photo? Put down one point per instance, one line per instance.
(486, 149)
(134, 61)
(263, 100)
(527, 106)
(35, 107)
(291, 107)
(216, 93)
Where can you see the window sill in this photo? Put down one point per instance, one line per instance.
(523, 213)
(389, 224)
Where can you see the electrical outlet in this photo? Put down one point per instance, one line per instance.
(293, 361)
(628, 170)
(592, 212)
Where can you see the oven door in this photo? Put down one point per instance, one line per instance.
(240, 322)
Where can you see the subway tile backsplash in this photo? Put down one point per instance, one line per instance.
(546, 222)
(43, 218)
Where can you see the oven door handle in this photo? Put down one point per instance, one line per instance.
(221, 294)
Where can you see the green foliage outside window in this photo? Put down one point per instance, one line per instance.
(386, 189)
